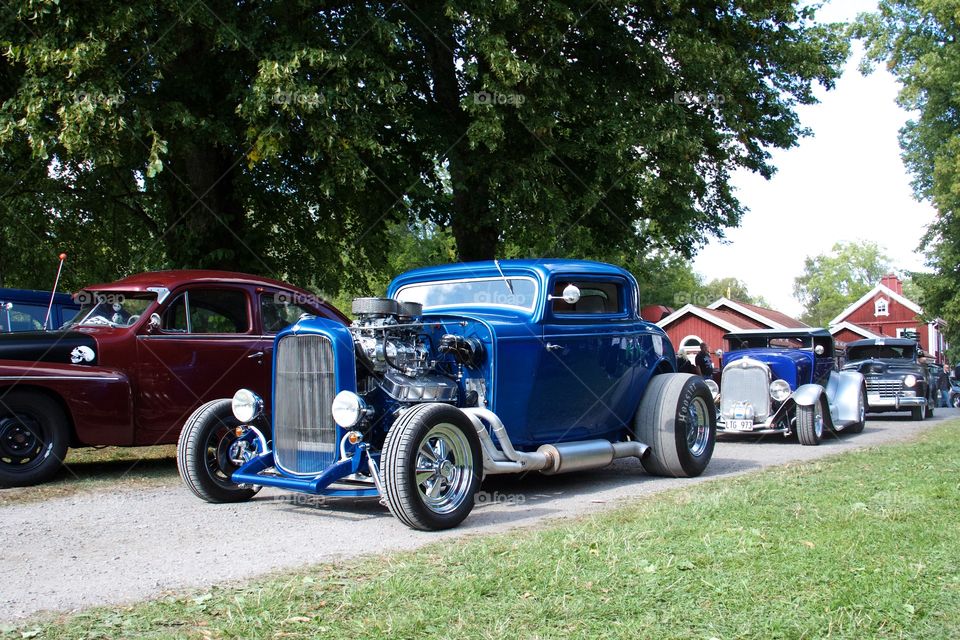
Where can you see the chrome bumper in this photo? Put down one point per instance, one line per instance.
(759, 428)
(895, 402)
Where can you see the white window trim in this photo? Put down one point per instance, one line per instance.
(881, 303)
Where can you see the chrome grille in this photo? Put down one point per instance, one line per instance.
(304, 434)
(745, 382)
(884, 388)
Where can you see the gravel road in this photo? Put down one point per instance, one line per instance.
(121, 546)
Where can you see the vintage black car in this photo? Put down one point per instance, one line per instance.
(896, 380)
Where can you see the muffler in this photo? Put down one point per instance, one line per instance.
(549, 458)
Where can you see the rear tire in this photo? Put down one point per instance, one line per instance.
(202, 454)
(678, 421)
(810, 424)
(431, 467)
(928, 413)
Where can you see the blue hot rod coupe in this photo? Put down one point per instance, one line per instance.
(786, 381)
(463, 370)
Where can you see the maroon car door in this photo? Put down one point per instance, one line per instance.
(208, 345)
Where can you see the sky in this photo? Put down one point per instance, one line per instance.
(845, 183)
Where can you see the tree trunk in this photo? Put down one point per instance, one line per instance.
(475, 225)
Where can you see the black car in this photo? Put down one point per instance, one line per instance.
(896, 380)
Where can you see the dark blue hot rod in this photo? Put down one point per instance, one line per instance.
(786, 381)
(463, 370)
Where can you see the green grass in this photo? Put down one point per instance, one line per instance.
(105, 468)
(863, 545)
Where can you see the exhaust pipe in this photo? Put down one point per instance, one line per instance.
(549, 459)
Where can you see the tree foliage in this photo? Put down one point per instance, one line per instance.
(832, 281)
(918, 42)
(288, 138)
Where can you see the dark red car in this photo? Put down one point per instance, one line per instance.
(141, 355)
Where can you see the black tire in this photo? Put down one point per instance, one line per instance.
(202, 450)
(678, 420)
(928, 412)
(955, 401)
(810, 424)
(34, 434)
(916, 414)
(857, 427)
(442, 442)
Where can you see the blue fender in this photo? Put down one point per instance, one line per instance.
(807, 394)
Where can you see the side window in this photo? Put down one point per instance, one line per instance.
(595, 297)
(278, 314)
(26, 317)
(218, 311)
(207, 311)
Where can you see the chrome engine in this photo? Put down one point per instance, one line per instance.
(390, 339)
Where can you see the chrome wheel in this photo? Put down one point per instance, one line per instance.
(818, 420)
(698, 427)
(444, 468)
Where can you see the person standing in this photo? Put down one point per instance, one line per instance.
(943, 384)
(704, 362)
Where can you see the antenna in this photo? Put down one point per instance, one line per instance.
(56, 283)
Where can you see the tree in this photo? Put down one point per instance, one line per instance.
(731, 288)
(287, 137)
(832, 281)
(917, 39)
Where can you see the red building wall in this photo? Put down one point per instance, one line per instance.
(692, 325)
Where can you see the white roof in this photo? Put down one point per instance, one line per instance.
(849, 326)
(750, 313)
(880, 288)
(700, 313)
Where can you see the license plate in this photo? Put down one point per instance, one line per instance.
(873, 399)
(740, 425)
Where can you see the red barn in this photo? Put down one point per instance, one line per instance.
(690, 325)
(884, 311)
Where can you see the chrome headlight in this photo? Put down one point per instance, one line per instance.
(347, 409)
(909, 380)
(247, 406)
(779, 390)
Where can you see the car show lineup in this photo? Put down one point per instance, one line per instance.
(459, 372)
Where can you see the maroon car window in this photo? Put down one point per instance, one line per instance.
(278, 312)
(207, 311)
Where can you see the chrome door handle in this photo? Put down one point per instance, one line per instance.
(258, 355)
(554, 347)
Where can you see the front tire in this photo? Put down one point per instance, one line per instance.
(678, 420)
(916, 414)
(810, 424)
(203, 454)
(34, 433)
(431, 467)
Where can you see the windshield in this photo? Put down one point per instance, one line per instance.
(473, 292)
(893, 352)
(113, 309)
(765, 342)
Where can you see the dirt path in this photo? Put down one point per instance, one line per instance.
(103, 548)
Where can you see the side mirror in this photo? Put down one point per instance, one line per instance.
(571, 294)
(719, 353)
(154, 324)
